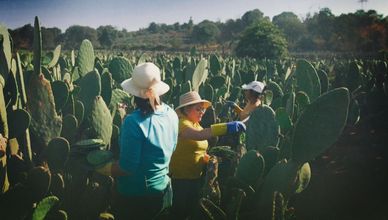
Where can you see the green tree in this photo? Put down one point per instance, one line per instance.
(23, 37)
(153, 27)
(205, 32)
(75, 34)
(107, 35)
(251, 17)
(321, 29)
(291, 26)
(262, 40)
(230, 30)
(50, 37)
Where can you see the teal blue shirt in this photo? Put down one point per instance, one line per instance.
(146, 146)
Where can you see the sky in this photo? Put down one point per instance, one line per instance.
(135, 14)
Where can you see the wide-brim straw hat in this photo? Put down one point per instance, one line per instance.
(191, 98)
(144, 77)
(256, 86)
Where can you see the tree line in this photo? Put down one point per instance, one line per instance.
(361, 31)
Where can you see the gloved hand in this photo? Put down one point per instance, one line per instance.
(227, 128)
(235, 127)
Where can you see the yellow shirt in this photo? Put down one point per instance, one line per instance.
(186, 161)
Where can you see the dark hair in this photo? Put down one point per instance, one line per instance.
(144, 106)
(184, 108)
(255, 94)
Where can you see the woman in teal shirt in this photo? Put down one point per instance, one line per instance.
(148, 138)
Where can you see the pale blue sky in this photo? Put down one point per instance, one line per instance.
(135, 14)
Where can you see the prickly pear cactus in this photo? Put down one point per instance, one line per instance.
(324, 80)
(320, 125)
(3, 114)
(98, 158)
(186, 87)
(44, 207)
(209, 210)
(121, 69)
(38, 182)
(200, 74)
(106, 86)
(250, 168)
(278, 207)
(354, 76)
(20, 122)
(290, 104)
(20, 79)
(5, 54)
(11, 88)
(119, 96)
(217, 81)
(302, 100)
(271, 157)
(283, 120)
(45, 123)
(281, 178)
(37, 44)
(276, 89)
(262, 129)
(85, 58)
(90, 88)
(56, 153)
(61, 93)
(304, 177)
(215, 65)
(56, 54)
(69, 128)
(207, 92)
(307, 79)
(101, 120)
(79, 111)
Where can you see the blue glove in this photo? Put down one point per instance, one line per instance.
(235, 127)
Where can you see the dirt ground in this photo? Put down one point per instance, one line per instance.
(350, 180)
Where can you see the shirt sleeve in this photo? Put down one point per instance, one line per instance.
(183, 124)
(131, 141)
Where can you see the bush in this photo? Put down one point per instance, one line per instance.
(262, 40)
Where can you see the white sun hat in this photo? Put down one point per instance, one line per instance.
(256, 86)
(190, 98)
(145, 78)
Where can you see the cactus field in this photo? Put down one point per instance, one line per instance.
(314, 150)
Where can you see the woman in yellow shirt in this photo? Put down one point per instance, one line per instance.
(190, 155)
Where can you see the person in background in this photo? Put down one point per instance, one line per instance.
(190, 156)
(253, 92)
(148, 137)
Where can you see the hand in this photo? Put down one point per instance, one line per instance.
(237, 109)
(226, 108)
(230, 104)
(205, 158)
(235, 127)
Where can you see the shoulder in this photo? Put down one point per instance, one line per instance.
(133, 118)
(185, 122)
(170, 111)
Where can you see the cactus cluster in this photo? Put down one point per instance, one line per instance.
(62, 120)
